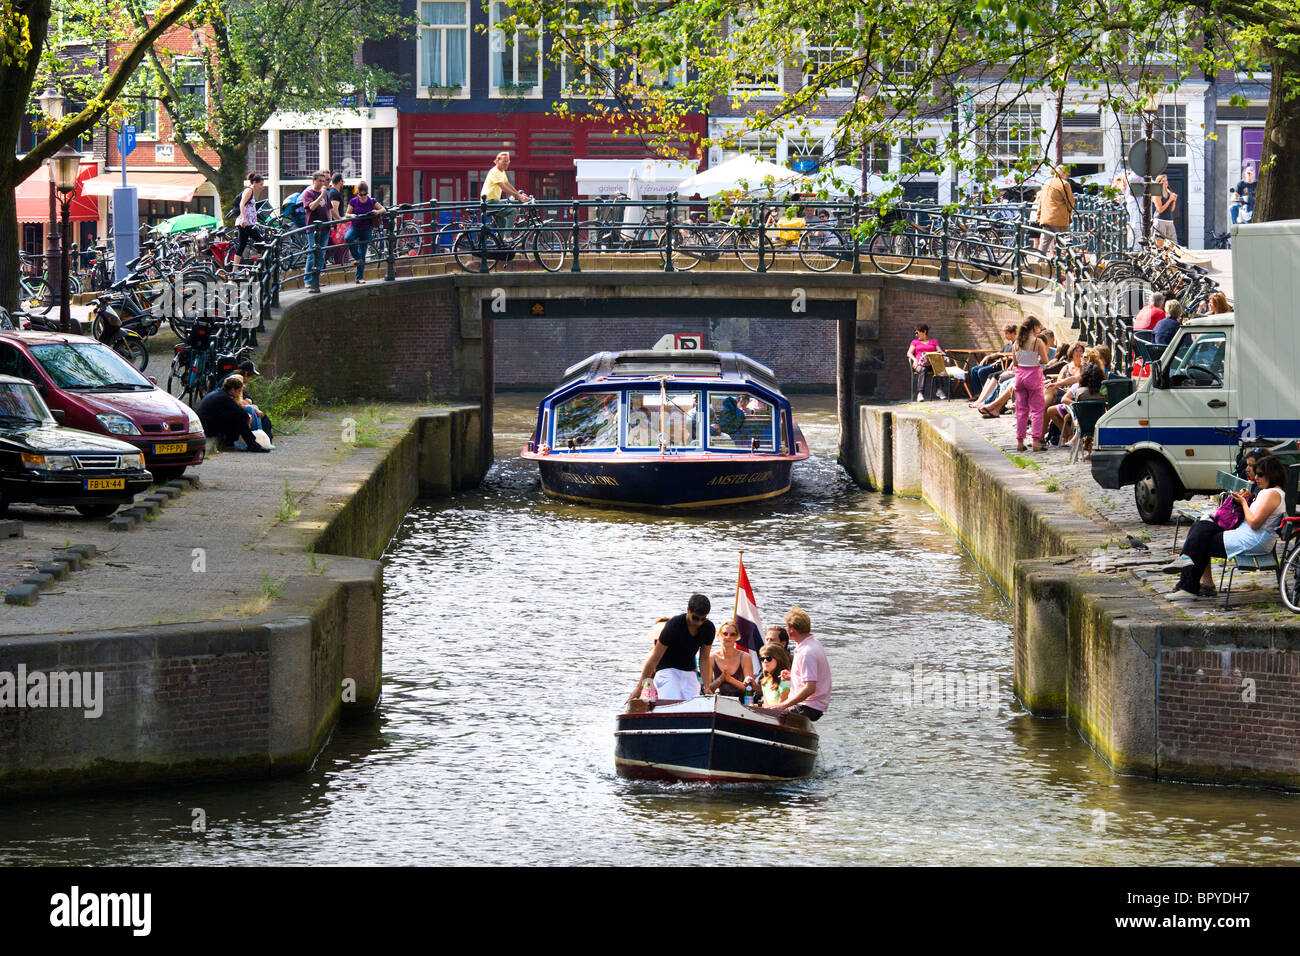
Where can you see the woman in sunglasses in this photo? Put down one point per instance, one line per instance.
(733, 665)
(775, 661)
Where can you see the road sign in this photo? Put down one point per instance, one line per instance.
(126, 140)
(1137, 157)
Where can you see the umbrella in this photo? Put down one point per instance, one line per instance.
(633, 216)
(1018, 180)
(744, 174)
(189, 222)
(843, 181)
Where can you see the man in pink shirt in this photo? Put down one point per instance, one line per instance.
(810, 675)
(1149, 315)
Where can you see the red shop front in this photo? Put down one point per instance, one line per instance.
(445, 157)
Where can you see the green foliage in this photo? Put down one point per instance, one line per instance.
(286, 404)
(288, 508)
(1020, 461)
(368, 427)
(270, 587)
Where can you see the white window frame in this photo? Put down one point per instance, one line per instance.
(748, 90)
(813, 51)
(569, 75)
(1084, 109)
(988, 139)
(496, 44)
(181, 64)
(422, 81)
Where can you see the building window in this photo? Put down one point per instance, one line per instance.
(259, 154)
(575, 78)
(1170, 127)
(754, 74)
(345, 152)
(381, 152)
(877, 156)
(1081, 134)
(444, 48)
(759, 145)
(192, 87)
(919, 150)
(299, 153)
(1008, 132)
(515, 63)
(824, 58)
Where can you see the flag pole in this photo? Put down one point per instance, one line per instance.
(740, 566)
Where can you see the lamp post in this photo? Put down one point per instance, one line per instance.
(1150, 109)
(51, 103)
(64, 166)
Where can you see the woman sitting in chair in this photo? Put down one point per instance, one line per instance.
(1254, 535)
(918, 352)
(1088, 387)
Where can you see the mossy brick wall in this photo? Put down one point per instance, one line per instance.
(379, 342)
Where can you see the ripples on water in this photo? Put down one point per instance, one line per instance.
(514, 628)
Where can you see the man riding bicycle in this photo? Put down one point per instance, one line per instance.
(492, 187)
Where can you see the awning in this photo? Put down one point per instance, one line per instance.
(607, 177)
(170, 187)
(33, 197)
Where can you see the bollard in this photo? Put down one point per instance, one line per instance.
(577, 236)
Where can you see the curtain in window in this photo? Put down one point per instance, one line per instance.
(442, 16)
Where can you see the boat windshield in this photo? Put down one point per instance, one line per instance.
(589, 420)
(681, 419)
(736, 419)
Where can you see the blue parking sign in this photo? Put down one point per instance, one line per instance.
(126, 140)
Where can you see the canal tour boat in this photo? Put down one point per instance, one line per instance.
(712, 740)
(672, 428)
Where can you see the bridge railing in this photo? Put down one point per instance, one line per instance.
(974, 243)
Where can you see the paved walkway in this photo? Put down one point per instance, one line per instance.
(200, 559)
(1254, 593)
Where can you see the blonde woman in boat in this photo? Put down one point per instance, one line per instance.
(733, 665)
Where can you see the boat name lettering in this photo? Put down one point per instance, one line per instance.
(741, 479)
(578, 479)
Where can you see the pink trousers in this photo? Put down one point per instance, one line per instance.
(1030, 402)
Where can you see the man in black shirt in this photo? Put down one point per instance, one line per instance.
(672, 661)
(223, 416)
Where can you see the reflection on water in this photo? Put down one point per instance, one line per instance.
(514, 628)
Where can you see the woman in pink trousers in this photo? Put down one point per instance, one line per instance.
(1030, 357)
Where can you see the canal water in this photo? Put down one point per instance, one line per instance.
(515, 627)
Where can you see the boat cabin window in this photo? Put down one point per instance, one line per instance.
(680, 419)
(589, 421)
(737, 418)
(1198, 363)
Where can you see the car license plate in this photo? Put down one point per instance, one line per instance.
(105, 484)
(176, 448)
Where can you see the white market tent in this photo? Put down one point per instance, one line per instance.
(609, 177)
(743, 174)
(841, 181)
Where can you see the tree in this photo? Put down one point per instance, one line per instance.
(898, 64)
(27, 54)
(260, 56)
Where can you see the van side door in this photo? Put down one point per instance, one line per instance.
(1194, 396)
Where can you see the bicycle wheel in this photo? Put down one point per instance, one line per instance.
(746, 248)
(133, 350)
(1035, 271)
(176, 374)
(466, 250)
(549, 249)
(1289, 584)
(967, 256)
(39, 295)
(891, 253)
(821, 250)
(685, 258)
(409, 240)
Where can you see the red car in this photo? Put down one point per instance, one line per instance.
(98, 391)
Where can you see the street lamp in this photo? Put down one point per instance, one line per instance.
(1150, 110)
(51, 103)
(64, 167)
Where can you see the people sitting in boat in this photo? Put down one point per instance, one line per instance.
(810, 673)
(733, 665)
(640, 427)
(671, 662)
(730, 420)
(776, 634)
(774, 660)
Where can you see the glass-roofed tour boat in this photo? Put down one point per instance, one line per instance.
(671, 428)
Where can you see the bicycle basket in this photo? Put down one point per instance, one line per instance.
(201, 331)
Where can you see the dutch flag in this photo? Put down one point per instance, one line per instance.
(748, 622)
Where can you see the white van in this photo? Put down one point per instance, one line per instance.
(1218, 375)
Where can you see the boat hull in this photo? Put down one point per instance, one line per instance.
(665, 482)
(713, 740)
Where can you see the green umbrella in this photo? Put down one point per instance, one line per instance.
(189, 222)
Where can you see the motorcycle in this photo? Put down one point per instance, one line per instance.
(122, 340)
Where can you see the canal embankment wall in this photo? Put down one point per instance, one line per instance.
(1153, 691)
(258, 690)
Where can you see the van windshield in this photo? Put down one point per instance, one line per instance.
(1198, 361)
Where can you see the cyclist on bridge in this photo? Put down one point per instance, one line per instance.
(493, 185)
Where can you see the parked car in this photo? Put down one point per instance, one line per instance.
(98, 391)
(47, 464)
